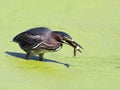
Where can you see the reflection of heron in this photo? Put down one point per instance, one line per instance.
(41, 40)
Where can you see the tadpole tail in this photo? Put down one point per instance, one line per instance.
(75, 51)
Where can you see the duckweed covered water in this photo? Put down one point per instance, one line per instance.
(94, 24)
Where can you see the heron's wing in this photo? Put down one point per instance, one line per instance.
(28, 41)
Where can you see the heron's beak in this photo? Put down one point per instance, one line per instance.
(75, 45)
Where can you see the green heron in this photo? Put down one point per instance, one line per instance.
(41, 40)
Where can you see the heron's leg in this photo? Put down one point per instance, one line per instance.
(41, 56)
(27, 55)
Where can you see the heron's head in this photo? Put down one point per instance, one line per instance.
(67, 39)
